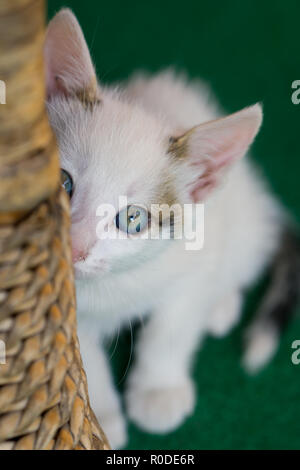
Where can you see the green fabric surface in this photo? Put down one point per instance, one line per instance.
(248, 51)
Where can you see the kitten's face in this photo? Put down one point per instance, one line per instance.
(112, 150)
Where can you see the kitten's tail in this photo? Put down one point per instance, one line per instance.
(278, 306)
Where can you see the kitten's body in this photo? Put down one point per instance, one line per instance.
(189, 293)
(120, 147)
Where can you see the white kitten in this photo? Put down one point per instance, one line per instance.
(150, 141)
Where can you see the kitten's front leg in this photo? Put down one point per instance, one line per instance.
(160, 392)
(103, 395)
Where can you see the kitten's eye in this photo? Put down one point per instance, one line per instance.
(132, 219)
(67, 182)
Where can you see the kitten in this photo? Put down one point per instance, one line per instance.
(159, 140)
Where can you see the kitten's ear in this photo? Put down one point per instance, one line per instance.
(69, 68)
(211, 147)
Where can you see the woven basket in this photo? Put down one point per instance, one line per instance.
(43, 391)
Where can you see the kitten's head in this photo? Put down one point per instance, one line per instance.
(111, 148)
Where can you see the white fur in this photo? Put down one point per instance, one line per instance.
(262, 343)
(120, 148)
(226, 314)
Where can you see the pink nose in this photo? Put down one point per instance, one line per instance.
(78, 255)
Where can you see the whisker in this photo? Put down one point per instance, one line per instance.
(110, 341)
(116, 344)
(95, 32)
(130, 355)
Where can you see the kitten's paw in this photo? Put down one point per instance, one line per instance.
(226, 315)
(114, 427)
(163, 409)
(261, 345)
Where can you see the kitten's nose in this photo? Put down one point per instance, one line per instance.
(82, 240)
(78, 254)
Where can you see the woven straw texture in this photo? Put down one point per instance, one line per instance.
(43, 391)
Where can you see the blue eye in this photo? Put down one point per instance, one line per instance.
(132, 219)
(67, 182)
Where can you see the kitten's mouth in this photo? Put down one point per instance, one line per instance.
(85, 268)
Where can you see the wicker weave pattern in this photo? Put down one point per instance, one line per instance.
(43, 391)
(28, 159)
(43, 396)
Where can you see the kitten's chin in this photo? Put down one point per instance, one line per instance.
(80, 275)
(83, 271)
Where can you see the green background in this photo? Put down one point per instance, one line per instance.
(248, 51)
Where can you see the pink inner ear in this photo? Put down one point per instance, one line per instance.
(67, 59)
(54, 84)
(215, 145)
(204, 185)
